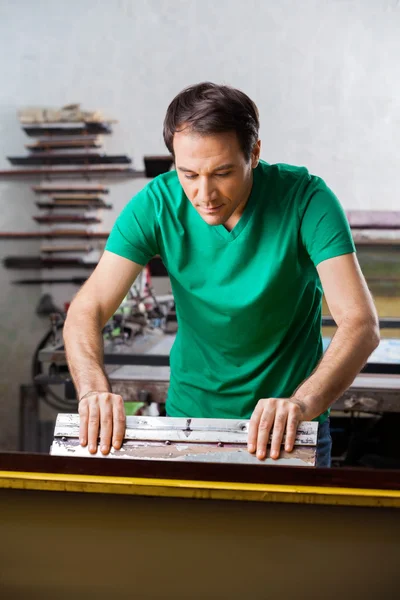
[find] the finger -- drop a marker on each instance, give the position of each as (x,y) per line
(278,432)
(83,422)
(106,423)
(94,422)
(119,422)
(253,428)
(264,430)
(291,430)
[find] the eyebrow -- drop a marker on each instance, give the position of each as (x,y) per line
(220,168)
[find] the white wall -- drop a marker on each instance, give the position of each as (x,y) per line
(324,73)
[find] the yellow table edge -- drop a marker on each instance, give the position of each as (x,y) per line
(215,490)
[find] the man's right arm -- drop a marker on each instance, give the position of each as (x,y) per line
(90,310)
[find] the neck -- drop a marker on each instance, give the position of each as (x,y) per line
(235,216)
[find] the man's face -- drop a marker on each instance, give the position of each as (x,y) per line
(214,175)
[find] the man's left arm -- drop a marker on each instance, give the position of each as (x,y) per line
(357,335)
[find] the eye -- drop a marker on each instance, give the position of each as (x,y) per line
(223,174)
(190,176)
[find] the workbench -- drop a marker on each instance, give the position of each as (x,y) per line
(376,389)
(139,371)
(91,528)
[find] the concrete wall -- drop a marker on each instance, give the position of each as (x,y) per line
(324,73)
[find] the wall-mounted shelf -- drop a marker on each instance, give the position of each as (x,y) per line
(373,219)
(82,188)
(157,268)
(66,142)
(70,197)
(81,205)
(67,147)
(68,129)
(87,172)
(51,281)
(376,237)
(63,158)
(56,219)
(85,248)
(68,233)
(38,262)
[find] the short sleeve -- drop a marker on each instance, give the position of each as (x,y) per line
(135,232)
(324,229)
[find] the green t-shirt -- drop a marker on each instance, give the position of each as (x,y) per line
(248,301)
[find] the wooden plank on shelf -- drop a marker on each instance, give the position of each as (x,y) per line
(64,158)
(76,205)
(67,147)
(373,219)
(51,249)
(50,152)
(50,219)
(57,233)
(376,237)
(51,281)
(74,196)
(45,140)
(66,128)
(73,143)
(38,262)
(69,113)
(89,188)
(84,171)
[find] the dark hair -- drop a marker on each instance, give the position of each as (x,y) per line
(208,108)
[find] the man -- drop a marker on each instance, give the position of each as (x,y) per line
(249,248)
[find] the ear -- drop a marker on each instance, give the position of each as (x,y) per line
(255,155)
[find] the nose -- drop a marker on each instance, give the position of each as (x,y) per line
(206,192)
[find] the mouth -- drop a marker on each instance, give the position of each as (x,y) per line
(212,210)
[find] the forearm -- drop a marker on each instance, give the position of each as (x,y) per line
(84,349)
(347,353)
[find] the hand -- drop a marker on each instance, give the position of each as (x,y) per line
(276,415)
(104,411)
